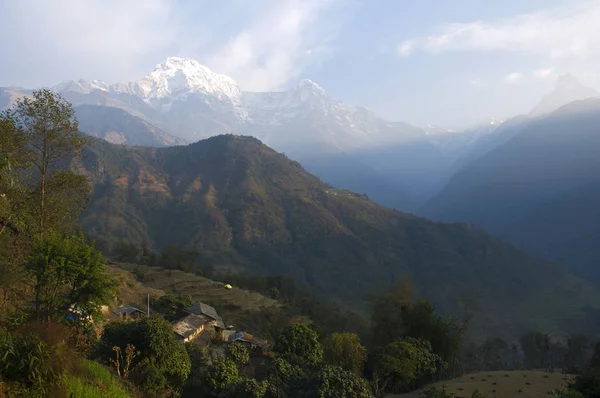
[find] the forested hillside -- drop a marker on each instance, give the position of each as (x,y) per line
(245,207)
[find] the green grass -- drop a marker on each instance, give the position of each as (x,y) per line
(96,382)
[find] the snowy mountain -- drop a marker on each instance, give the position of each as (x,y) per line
(567,89)
(187,99)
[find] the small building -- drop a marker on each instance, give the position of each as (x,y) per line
(188,328)
(128,312)
(199,308)
(255,345)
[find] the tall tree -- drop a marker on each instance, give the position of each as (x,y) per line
(346,351)
(12,145)
(69,274)
(299,343)
(48,125)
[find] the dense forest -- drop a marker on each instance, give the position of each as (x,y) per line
(55,340)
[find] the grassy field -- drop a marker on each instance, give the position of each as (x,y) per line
(96,381)
(503,384)
(249,311)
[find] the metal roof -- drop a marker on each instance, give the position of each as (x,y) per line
(189,325)
(126,309)
(199,308)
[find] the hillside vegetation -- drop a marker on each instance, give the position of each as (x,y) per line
(247,208)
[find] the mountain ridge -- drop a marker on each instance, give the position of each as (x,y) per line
(247,208)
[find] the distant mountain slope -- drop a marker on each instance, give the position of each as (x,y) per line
(247,207)
(568,89)
(117,126)
(538,189)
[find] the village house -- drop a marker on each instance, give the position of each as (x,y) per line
(255,345)
(199,308)
(128,312)
(190,327)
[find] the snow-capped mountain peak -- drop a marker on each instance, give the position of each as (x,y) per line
(178,76)
(81,86)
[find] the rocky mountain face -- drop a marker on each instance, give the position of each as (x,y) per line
(249,208)
(117,126)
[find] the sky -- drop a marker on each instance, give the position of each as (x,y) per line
(449,63)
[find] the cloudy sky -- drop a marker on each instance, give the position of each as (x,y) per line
(425,62)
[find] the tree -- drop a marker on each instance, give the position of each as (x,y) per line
(12,145)
(403,362)
(172,306)
(222,375)
(395,314)
(198,360)
(577,350)
(299,343)
(335,382)
(238,352)
(248,388)
(52,138)
(161,355)
(533,345)
(69,274)
(346,351)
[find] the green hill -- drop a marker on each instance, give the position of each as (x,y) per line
(248,208)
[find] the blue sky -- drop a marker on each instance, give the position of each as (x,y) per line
(443,62)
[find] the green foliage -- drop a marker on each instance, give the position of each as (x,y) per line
(346,351)
(161,355)
(96,382)
(335,382)
(34,358)
(477,394)
(436,392)
(220,376)
(67,271)
(299,343)
(404,362)
(172,306)
(556,393)
(395,315)
(247,388)
(238,352)
(52,139)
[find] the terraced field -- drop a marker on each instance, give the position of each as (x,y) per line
(246,310)
(503,384)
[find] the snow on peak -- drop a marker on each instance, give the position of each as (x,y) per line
(81,86)
(178,76)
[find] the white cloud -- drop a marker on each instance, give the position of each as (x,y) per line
(260,44)
(545,73)
(569,31)
(513,78)
(275,47)
(476,81)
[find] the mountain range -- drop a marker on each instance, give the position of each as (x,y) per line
(539,189)
(396,164)
(531,180)
(248,208)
